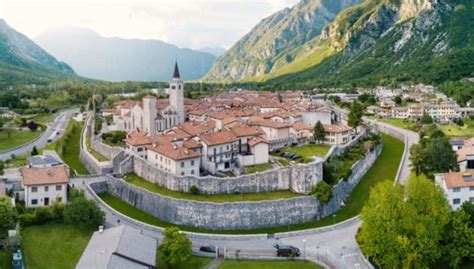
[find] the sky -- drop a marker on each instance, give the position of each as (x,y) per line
(186,23)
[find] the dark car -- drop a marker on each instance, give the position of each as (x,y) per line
(209,249)
(295,157)
(287,250)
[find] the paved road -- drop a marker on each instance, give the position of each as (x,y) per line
(59,124)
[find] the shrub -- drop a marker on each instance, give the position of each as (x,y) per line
(27,219)
(83,212)
(322,191)
(114,138)
(194,189)
(176,248)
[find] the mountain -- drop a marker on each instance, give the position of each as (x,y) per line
(22,61)
(118,59)
(216,51)
(389,42)
(277,40)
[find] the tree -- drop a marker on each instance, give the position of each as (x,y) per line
(33,126)
(2,122)
(417,158)
(402,227)
(9,127)
(468,207)
(82,108)
(426,119)
(34,151)
(280,98)
(439,156)
(319,134)
(7,215)
(458,238)
(83,212)
(2,167)
(322,191)
(398,100)
(355,115)
(176,248)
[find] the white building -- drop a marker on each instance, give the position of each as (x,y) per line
(45,185)
(337,134)
(458,187)
(219,150)
(175,159)
(465,158)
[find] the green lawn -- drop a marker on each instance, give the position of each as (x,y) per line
(54,246)
(69,147)
(17,138)
(385,167)
(258,168)
(402,123)
(43,118)
(5,259)
(454,130)
(306,151)
(194,263)
(256,264)
(216,198)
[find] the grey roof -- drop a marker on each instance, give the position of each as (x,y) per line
(49,158)
(456,142)
(176,70)
(119,247)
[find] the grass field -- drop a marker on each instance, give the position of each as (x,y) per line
(385,167)
(43,118)
(54,246)
(454,130)
(258,168)
(97,155)
(71,146)
(216,198)
(5,259)
(247,264)
(17,138)
(396,122)
(194,263)
(306,151)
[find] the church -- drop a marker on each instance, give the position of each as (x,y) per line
(152,116)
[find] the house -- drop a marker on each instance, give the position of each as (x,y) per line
(174,158)
(400,112)
(273,130)
(303,132)
(458,187)
(456,144)
(219,151)
(465,157)
(337,134)
(44,185)
(119,248)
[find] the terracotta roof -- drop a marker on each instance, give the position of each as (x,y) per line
(217,138)
(137,139)
(464,152)
(241,130)
(174,152)
(332,128)
(162,104)
(269,124)
(459,179)
(299,126)
(191,144)
(198,112)
(197,127)
(44,176)
(257,140)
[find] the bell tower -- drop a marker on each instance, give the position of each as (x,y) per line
(177,94)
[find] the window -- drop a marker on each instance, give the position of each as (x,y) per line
(182,164)
(173,87)
(46,188)
(182,173)
(34,189)
(457,189)
(471,199)
(456,201)
(192,162)
(140,149)
(471,188)
(59,187)
(192,172)
(34,201)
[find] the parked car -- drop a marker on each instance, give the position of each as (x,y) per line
(286,250)
(295,156)
(209,249)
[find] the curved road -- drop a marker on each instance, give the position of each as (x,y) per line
(335,245)
(59,124)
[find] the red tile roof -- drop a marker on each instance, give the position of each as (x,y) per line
(44,176)
(174,152)
(218,138)
(459,179)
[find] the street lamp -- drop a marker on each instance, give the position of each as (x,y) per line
(334,219)
(304,248)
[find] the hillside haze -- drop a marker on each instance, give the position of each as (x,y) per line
(118,59)
(23,61)
(277,40)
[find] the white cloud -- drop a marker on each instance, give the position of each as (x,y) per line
(186,23)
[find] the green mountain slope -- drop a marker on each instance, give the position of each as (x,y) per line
(277,40)
(22,61)
(389,42)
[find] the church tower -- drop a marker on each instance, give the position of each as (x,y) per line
(177,94)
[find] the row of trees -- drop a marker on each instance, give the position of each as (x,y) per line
(412,226)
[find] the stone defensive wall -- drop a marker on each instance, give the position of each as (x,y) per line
(237,215)
(299,178)
(215,216)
